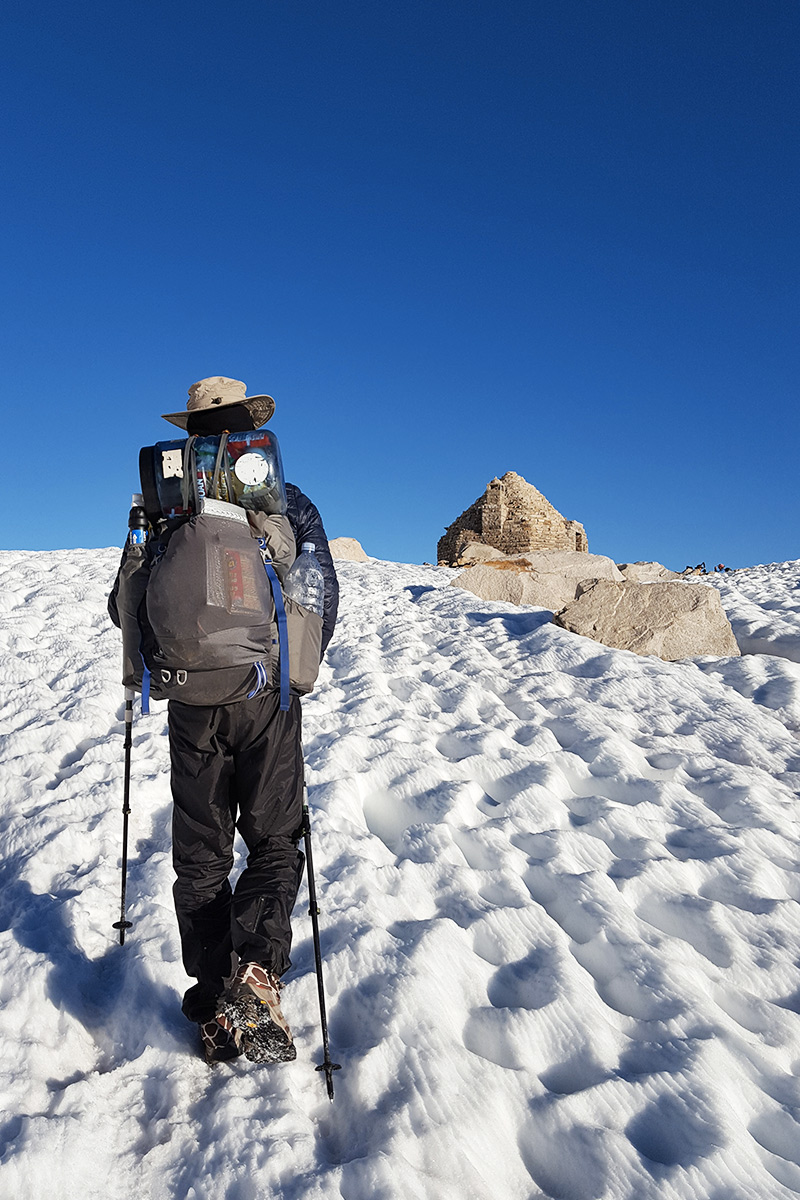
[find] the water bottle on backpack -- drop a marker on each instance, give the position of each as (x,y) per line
(130,589)
(137,521)
(304,592)
(305,583)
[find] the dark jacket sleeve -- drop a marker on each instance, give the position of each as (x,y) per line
(307,526)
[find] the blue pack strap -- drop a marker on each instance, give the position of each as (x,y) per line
(283,633)
(145,689)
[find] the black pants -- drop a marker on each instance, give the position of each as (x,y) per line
(234,766)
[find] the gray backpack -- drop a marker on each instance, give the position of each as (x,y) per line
(202,611)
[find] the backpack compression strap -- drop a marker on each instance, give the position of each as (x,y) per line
(221,462)
(189,477)
(283,634)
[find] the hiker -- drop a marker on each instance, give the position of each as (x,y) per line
(236,762)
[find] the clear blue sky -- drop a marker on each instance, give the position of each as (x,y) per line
(452,238)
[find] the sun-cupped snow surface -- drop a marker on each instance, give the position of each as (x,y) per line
(763,607)
(559,888)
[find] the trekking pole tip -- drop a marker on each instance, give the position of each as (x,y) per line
(329,1067)
(122,926)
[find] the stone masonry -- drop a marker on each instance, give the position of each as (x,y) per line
(513,517)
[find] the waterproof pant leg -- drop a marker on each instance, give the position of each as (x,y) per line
(268,774)
(245,760)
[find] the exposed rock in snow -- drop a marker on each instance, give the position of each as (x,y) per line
(478,552)
(646,572)
(571,564)
(347,548)
(672,620)
(545,578)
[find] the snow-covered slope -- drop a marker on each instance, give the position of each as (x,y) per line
(763,606)
(560,921)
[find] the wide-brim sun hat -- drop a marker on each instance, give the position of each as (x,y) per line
(217,392)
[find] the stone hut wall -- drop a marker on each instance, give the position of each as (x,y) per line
(513,517)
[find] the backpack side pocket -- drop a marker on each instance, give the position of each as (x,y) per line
(305,645)
(134,574)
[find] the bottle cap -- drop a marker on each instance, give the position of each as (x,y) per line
(308,546)
(137,500)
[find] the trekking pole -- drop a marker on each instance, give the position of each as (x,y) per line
(326,1065)
(122,924)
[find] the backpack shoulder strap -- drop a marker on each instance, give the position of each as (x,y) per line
(278,537)
(280,617)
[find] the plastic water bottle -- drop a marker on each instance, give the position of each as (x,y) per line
(305,583)
(137,521)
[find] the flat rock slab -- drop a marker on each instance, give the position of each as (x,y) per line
(545,578)
(479,552)
(647,572)
(573,564)
(671,620)
(511,586)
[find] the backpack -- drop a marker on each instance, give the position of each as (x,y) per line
(202,611)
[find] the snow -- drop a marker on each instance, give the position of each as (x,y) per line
(559,890)
(763,607)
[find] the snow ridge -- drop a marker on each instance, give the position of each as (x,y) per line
(559,887)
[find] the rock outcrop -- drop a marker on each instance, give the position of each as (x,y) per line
(671,620)
(546,578)
(477,552)
(512,516)
(348,549)
(646,572)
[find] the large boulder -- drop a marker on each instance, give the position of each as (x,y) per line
(671,620)
(573,564)
(478,552)
(646,572)
(545,578)
(512,584)
(348,549)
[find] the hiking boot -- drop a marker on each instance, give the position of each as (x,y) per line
(251,1007)
(219,1043)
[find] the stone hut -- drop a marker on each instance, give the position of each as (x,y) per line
(513,517)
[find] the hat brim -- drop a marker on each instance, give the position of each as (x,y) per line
(260,408)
